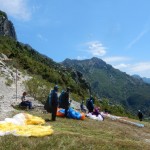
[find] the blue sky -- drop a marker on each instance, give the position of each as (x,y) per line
(117,31)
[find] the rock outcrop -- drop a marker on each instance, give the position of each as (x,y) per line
(6,26)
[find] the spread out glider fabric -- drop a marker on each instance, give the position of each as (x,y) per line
(125,120)
(71,114)
(24,125)
(99,117)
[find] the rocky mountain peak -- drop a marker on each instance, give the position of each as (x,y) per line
(6,26)
(97,62)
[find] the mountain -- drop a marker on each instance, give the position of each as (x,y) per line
(144,79)
(24,57)
(6,26)
(84,77)
(111,83)
(137,76)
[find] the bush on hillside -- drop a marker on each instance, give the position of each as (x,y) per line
(38,88)
(116,109)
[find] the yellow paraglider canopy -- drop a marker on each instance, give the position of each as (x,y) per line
(25,125)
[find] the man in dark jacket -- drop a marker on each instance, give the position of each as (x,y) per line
(140,115)
(82,107)
(90,105)
(66,101)
(54,102)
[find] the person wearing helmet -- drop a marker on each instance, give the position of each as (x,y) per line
(54,102)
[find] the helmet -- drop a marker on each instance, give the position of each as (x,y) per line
(56,87)
(68,89)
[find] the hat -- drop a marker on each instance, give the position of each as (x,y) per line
(56,87)
(68,89)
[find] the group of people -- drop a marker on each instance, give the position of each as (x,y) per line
(89,105)
(55,101)
(63,101)
(96,110)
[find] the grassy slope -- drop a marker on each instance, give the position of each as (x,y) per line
(27,59)
(89,134)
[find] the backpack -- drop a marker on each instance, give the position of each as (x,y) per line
(61,98)
(88,103)
(47,105)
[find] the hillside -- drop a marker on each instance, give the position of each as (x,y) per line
(111,83)
(146,80)
(29,60)
(70,134)
(11,90)
(22,68)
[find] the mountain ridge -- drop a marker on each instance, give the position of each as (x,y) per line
(144,79)
(26,58)
(85,77)
(6,26)
(111,83)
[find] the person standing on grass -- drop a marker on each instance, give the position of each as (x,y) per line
(54,102)
(82,107)
(140,115)
(90,104)
(66,101)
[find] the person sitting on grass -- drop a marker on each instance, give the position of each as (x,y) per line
(25,102)
(96,111)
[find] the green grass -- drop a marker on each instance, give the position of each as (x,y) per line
(70,134)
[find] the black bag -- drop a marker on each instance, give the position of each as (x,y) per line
(88,103)
(47,105)
(61,99)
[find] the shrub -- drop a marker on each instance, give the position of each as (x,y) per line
(38,88)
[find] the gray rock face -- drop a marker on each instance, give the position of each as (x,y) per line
(10,94)
(6,26)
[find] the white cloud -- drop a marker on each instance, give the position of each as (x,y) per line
(141,68)
(96,48)
(115,59)
(16,8)
(81,57)
(134,41)
(121,66)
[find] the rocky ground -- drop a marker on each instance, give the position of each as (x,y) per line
(11,89)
